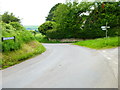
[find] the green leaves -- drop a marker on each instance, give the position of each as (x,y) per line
(17,25)
(99,16)
(9,17)
(51,14)
(69,19)
(21,36)
(48,25)
(83,20)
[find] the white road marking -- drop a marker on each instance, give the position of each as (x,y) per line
(105,55)
(112,60)
(115,63)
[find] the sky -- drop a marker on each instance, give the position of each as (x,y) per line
(31,12)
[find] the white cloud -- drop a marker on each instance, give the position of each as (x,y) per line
(32,12)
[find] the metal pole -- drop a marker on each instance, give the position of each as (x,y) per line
(106,29)
(14,38)
(2,39)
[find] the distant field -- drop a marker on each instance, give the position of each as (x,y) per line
(31,27)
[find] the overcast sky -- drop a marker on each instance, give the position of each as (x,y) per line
(32,12)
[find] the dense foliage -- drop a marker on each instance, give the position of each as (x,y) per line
(22,47)
(17,25)
(84,20)
(21,36)
(9,17)
(108,14)
(69,20)
(51,14)
(46,26)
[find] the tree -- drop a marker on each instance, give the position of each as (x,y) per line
(69,19)
(9,17)
(109,13)
(50,15)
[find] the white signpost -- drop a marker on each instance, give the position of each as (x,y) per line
(105,28)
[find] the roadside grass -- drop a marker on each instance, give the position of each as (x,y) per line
(0,60)
(28,50)
(100,43)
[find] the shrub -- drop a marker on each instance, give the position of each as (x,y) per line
(17,26)
(33,32)
(41,38)
(48,25)
(21,36)
(55,34)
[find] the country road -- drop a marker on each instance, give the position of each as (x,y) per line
(63,66)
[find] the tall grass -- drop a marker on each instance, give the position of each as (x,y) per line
(21,36)
(100,43)
(24,46)
(28,50)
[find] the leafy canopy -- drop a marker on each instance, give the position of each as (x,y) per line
(51,14)
(9,17)
(48,25)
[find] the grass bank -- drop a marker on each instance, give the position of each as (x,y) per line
(28,50)
(100,43)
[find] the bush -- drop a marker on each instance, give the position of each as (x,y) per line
(48,25)
(21,36)
(33,32)
(55,34)
(17,26)
(41,38)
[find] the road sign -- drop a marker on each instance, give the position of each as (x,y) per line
(108,26)
(103,27)
(7,38)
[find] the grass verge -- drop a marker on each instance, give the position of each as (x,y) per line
(100,43)
(28,50)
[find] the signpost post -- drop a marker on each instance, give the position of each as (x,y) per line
(105,28)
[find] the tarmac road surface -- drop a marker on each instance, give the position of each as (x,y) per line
(62,66)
